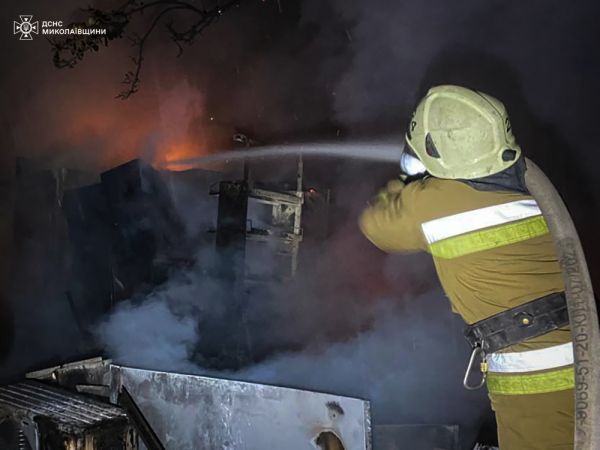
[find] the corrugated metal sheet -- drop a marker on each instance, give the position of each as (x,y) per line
(31,399)
(43,416)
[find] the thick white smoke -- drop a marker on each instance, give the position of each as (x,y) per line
(403,364)
(408,361)
(149,335)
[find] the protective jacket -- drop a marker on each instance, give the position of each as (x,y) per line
(492,251)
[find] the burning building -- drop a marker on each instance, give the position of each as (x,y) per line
(123,234)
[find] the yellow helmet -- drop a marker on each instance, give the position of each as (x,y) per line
(461,133)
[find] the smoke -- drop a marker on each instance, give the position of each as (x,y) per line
(149,335)
(403,363)
(86,133)
(397,364)
(178,109)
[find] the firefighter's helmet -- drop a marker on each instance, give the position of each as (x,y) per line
(460,133)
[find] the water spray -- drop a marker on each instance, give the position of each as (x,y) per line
(371,151)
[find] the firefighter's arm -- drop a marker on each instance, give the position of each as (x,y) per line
(390,222)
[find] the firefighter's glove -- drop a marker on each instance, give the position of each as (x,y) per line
(391,190)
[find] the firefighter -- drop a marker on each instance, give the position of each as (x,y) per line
(463,199)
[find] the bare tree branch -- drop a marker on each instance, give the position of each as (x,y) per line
(69,51)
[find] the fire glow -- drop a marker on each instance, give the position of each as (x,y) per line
(93,131)
(168,156)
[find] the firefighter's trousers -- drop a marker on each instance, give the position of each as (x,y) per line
(535,421)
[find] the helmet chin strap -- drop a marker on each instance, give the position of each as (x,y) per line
(411,165)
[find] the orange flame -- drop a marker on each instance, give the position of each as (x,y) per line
(170,153)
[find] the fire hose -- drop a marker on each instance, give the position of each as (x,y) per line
(581,304)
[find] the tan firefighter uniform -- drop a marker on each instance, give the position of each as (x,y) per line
(492,251)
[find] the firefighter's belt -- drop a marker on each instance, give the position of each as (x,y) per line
(518,324)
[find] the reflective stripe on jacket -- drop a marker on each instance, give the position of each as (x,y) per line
(484,228)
